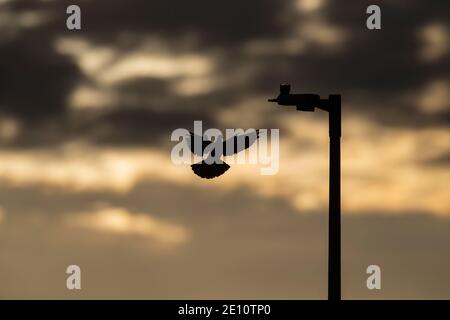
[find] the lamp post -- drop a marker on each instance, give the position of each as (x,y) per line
(307,102)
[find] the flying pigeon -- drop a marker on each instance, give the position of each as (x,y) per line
(213,170)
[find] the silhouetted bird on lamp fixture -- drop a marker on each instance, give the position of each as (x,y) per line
(230,146)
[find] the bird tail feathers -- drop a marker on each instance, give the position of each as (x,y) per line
(209,171)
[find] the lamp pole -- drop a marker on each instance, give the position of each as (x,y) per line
(307,102)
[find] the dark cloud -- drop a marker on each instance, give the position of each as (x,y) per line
(34,82)
(438,161)
(374,70)
(380,67)
(139,126)
(221,22)
(212,23)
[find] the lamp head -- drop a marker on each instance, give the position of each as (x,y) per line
(303,102)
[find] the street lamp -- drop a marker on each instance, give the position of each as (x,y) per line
(307,102)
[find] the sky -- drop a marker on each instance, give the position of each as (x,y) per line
(86,176)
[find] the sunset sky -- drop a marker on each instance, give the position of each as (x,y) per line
(86,176)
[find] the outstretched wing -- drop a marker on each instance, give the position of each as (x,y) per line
(191,142)
(241,142)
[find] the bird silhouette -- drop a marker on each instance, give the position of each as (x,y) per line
(230,146)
